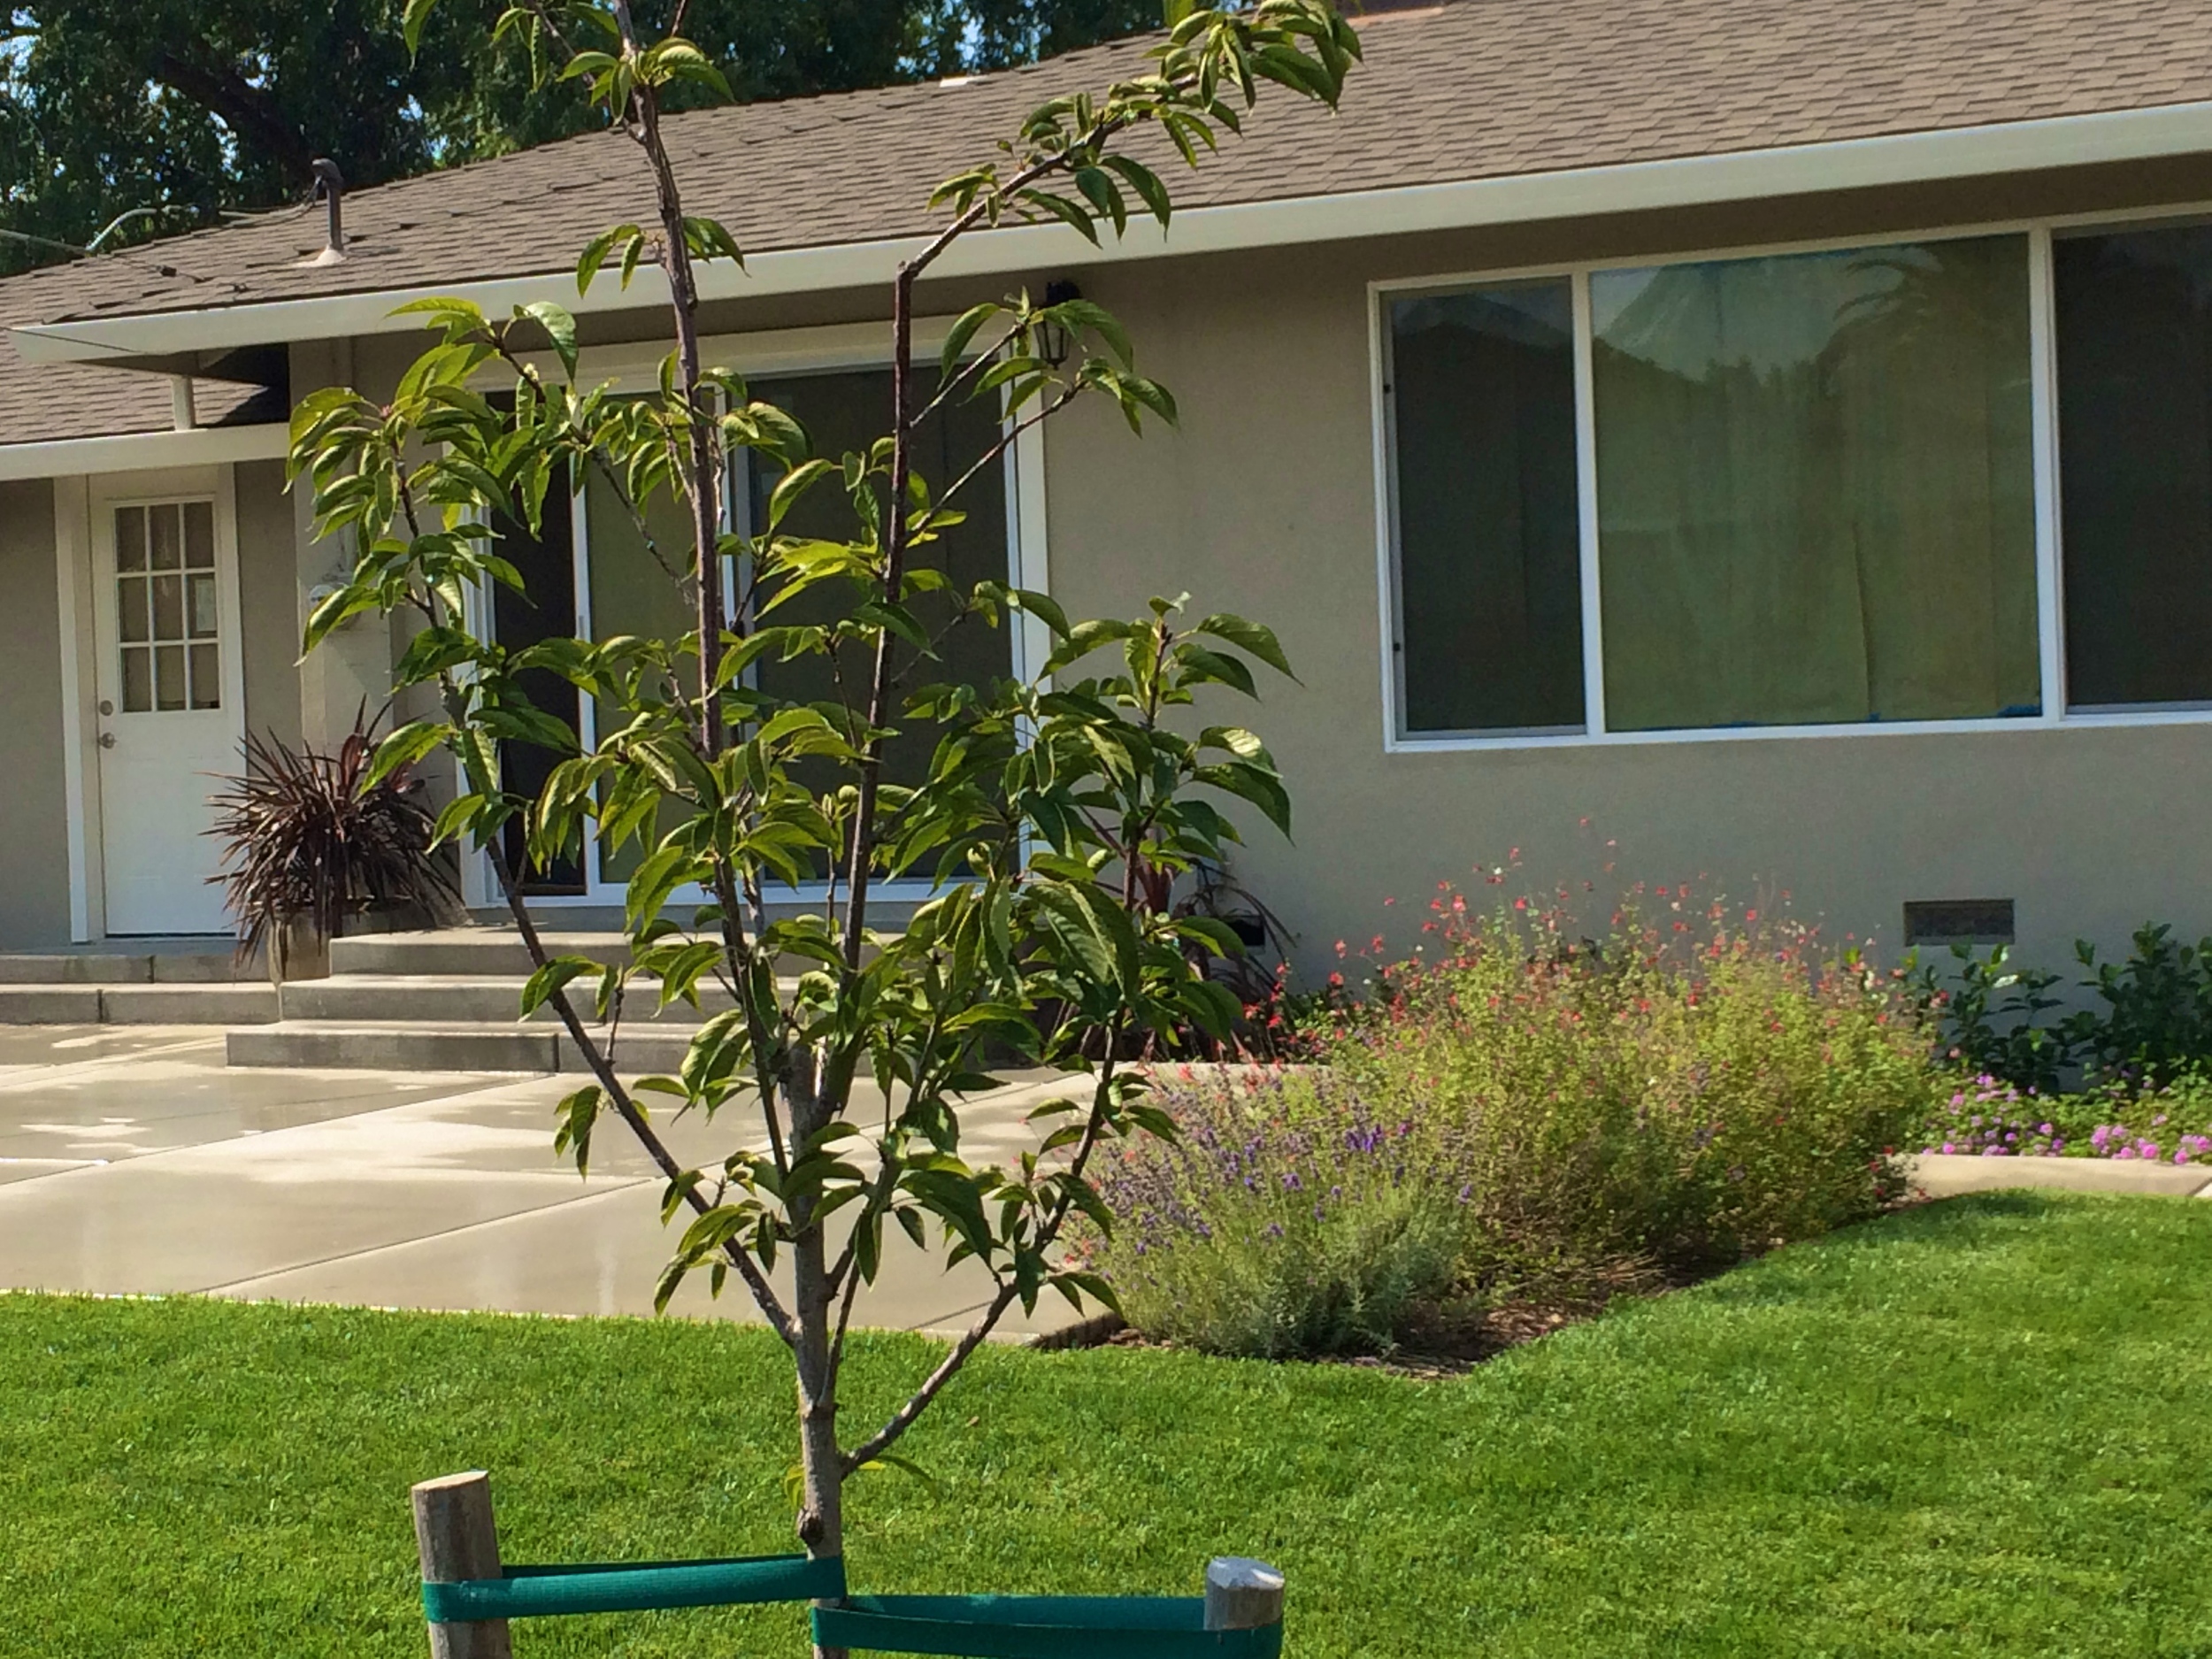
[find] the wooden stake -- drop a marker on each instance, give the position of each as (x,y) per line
(457,1540)
(1242,1593)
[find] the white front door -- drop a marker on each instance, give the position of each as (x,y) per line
(168,686)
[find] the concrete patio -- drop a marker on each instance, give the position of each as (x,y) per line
(132,1160)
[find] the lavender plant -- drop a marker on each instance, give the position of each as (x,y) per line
(1288,1217)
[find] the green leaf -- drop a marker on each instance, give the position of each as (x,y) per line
(1043,607)
(578,1113)
(1045,204)
(1145,182)
(1262,788)
(964,330)
(1201,666)
(709,239)
(551,978)
(1217,935)
(1072,1282)
(560,329)
(405,748)
(1079,315)
(1100,191)
(1248,636)
(793,485)
(412,21)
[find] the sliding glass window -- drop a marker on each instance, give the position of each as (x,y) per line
(1814,500)
(1489,627)
(2134,324)
(1815,489)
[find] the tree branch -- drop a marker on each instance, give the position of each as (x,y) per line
(977,1334)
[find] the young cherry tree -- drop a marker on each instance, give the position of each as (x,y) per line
(1049,817)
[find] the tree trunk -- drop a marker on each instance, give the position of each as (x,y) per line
(822,1502)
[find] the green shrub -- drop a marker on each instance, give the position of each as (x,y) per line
(2150,1024)
(1515,1106)
(1682,1090)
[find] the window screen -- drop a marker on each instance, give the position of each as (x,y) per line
(1489,590)
(2134,314)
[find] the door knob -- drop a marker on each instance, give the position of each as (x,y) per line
(107,740)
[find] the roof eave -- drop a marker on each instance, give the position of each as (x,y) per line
(2099,137)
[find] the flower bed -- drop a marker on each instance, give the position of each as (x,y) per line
(1519,1106)
(1993,1119)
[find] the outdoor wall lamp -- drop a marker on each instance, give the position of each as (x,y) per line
(1055,341)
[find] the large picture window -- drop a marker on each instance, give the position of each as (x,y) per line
(2134,326)
(1789,491)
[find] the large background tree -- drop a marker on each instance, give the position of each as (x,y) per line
(196,108)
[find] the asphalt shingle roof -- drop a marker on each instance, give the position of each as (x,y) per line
(1473,88)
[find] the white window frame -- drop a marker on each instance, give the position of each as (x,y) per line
(2049,554)
(784,354)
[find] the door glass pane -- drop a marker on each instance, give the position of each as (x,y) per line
(2134,313)
(199,535)
(168,676)
(207,676)
(1489,548)
(168,607)
(1815,496)
(138,680)
(200,594)
(130,607)
(168,540)
(130,538)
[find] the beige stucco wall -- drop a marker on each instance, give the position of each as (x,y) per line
(33,820)
(268,600)
(1264,504)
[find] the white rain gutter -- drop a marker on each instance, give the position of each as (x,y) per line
(1745,175)
(131,451)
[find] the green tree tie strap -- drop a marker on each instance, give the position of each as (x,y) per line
(633,1588)
(1038,1627)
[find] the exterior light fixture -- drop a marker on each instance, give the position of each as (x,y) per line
(1055,342)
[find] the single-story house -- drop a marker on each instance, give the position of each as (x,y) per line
(1765,442)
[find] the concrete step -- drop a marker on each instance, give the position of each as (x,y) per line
(415,1045)
(241,1003)
(472,952)
(489,999)
(102,966)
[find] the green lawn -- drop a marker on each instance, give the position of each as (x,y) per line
(1980,1427)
